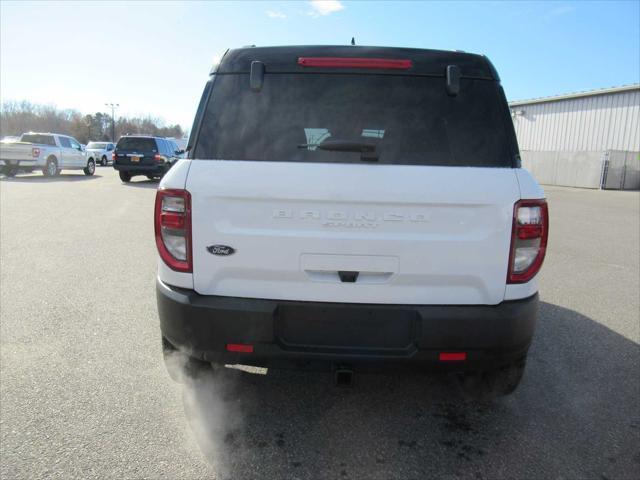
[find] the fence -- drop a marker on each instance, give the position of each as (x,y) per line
(621,170)
(609,169)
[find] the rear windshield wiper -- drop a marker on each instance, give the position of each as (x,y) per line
(367,150)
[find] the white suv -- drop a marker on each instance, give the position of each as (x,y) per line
(101,152)
(352,207)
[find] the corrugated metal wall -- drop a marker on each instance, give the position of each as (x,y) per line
(607,121)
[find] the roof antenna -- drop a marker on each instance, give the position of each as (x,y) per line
(353,40)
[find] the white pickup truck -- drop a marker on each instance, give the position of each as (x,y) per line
(49,152)
(352,207)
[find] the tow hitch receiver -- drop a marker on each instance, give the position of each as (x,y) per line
(343,377)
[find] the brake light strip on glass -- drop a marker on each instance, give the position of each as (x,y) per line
(355,62)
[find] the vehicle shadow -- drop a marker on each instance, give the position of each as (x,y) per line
(39,178)
(146,183)
(575,415)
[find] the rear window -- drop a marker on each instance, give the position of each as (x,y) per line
(37,138)
(409,120)
(97,146)
(137,143)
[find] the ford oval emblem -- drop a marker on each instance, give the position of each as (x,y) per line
(222,250)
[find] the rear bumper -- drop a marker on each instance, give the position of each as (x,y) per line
(156,169)
(312,334)
(22,163)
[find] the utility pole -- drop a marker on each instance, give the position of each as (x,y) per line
(113,119)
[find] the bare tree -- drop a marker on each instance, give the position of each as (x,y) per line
(19,117)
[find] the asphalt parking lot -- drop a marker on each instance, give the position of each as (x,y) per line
(84,393)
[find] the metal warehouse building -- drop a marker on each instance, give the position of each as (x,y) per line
(587,139)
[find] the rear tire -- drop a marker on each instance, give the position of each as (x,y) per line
(103,161)
(51,168)
(9,171)
(125,176)
(489,384)
(90,169)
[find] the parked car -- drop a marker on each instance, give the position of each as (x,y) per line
(352,207)
(101,151)
(49,152)
(181,145)
(143,155)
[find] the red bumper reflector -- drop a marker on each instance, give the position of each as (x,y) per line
(453,356)
(239,347)
(354,62)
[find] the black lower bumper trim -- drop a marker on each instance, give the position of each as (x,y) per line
(285,332)
(159,169)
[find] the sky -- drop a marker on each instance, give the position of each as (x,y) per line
(154,57)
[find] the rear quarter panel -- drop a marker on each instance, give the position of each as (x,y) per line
(529,187)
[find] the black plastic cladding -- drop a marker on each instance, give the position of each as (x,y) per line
(425,62)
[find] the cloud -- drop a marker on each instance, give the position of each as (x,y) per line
(325,7)
(274,14)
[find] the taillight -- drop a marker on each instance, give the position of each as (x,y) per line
(113,157)
(355,62)
(35,152)
(157,157)
(528,240)
(173,228)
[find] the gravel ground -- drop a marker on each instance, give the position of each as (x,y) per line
(84,393)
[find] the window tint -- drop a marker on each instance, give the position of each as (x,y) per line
(409,119)
(74,143)
(38,138)
(65,142)
(139,144)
